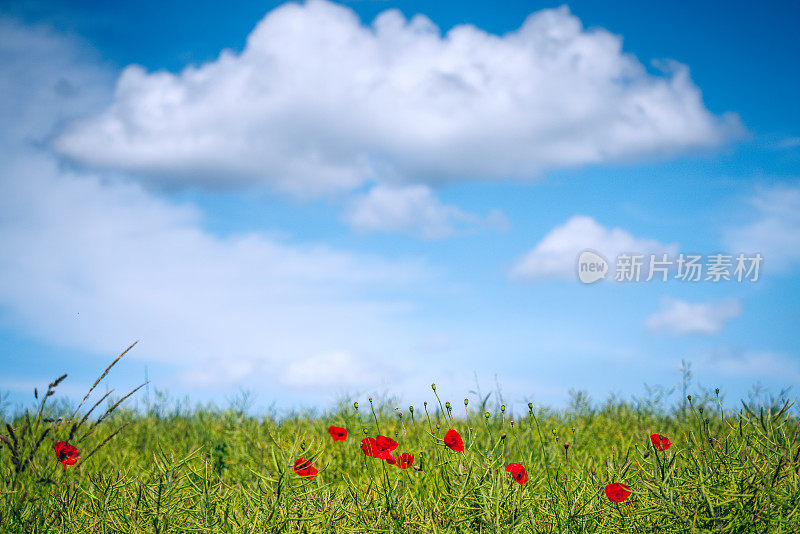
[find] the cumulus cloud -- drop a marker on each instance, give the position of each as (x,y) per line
(416,210)
(680,318)
(556,255)
(90,262)
(317,102)
(773,228)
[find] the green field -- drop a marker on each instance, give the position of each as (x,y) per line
(174,469)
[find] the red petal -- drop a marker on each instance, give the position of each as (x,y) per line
(617,492)
(386,444)
(453,440)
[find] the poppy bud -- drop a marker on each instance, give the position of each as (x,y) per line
(512,423)
(503,408)
(447,405)
(503,435)
(717,391)
(486,415)
(566,446)
(355,405)
(466,401)
(303,445)
(700,409)
(370,400)
(425,404)
(433,387)
(530,406)
(689,397)
(411,409)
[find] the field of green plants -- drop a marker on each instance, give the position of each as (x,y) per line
(177,469)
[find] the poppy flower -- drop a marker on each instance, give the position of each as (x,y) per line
(304,468)
(453,440)
(518,472)
(386,444)
(405,460)
(617,492)
(661,443)
(379,447)
(390,458)
(66,453)
(338,433)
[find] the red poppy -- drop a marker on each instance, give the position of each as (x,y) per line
(518,472)
(66,453)
(453,440)
(338,433)
(304,468)
(617,492)
(405,460)
(390,458)
(379,447)
(386,444)
(660,442)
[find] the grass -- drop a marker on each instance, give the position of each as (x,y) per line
(213,470)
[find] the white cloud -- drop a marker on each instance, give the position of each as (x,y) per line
(414,209)
(556,255)
(91,263)
(317,102)
(773,230)
(679,318)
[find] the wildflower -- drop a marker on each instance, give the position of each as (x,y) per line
(405,460)
(304,468)
(453,440)
(617,492)
(338,433)
(66,453)
(518,472)
(379,447)
(661,443)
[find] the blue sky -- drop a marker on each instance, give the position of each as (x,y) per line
(310,199)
